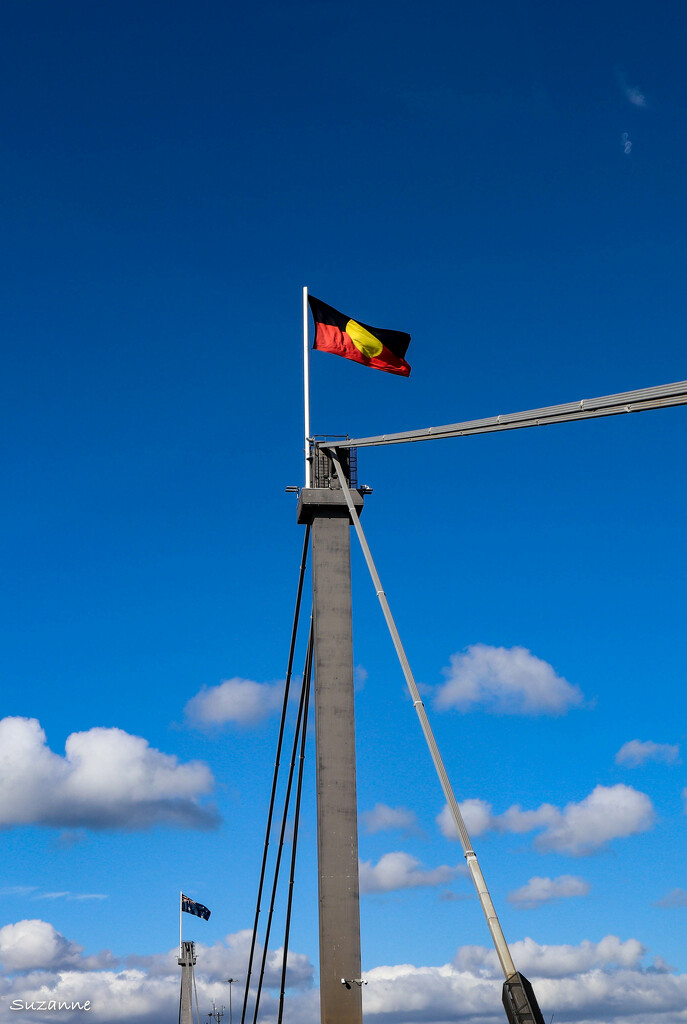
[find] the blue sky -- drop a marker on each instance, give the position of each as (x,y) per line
(506,183)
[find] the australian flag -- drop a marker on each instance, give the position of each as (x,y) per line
(191,907)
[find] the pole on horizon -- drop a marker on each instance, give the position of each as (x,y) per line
(230,982)
(180,942)
(306,389)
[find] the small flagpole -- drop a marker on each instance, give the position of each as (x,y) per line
(180,942)
(306,389)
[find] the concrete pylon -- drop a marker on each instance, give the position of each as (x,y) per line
(337,818)
(187,962)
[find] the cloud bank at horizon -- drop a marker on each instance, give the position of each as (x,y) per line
(594,981)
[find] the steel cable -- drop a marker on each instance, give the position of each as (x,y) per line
(307,675)
(275,777)
(300,725)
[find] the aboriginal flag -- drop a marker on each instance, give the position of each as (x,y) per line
(372,346)
(191,907)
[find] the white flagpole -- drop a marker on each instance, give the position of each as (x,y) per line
(180,942)
(306,389)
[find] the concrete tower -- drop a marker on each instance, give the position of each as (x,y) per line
(325,507)
(187,962)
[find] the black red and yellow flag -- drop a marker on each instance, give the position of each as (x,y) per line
(372,346)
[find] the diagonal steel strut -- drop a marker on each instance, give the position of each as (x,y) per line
(497,935)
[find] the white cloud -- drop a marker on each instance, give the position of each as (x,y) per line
(476,815)
(636,752)
(609,812)
(675,898)
(635,96)
(402,871)
(518,821)
(240,701)
(548,890)
(107,779)
(66,895)
(146,989)
(541,961)
(383,818)
(505,681)
(632,93)
(134,996)
(28,945)
(404,994)
(360,675)
(595,982)
(230,956)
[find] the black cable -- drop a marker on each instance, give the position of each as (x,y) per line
(292,648)
(287,799)
(296,819)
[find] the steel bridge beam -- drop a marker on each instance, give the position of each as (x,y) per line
(662,397)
